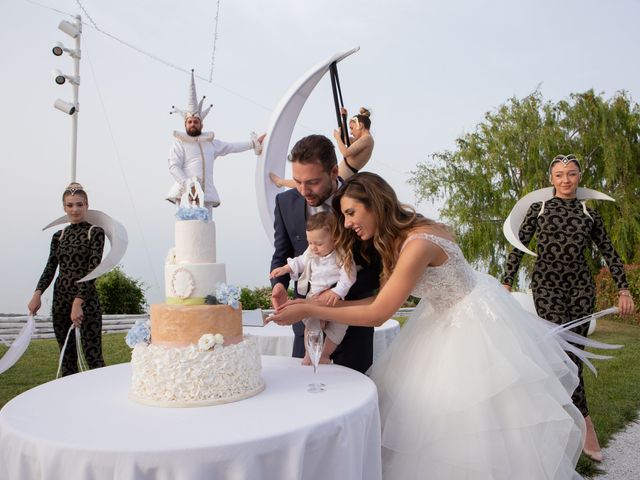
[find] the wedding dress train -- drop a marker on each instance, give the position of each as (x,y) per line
(474,387)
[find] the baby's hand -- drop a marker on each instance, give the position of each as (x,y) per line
(278,272)
(330,298)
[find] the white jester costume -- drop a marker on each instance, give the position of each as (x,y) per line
(194,156)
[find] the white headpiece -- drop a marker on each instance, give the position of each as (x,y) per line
(194,108)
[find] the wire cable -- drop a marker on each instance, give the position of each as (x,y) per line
(122,173)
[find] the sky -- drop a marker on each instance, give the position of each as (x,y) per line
(428,70)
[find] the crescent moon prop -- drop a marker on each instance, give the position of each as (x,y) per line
(115,232)
(511,225)
(18,346)
(276,143)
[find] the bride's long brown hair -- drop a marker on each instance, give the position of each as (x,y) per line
(394,220)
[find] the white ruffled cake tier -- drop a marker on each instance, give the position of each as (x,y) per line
(189,377)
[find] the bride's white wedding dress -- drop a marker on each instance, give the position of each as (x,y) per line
(474,387)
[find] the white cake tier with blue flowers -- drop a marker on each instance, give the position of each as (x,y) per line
(207,373)
(189,284)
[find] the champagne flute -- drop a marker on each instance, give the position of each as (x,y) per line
(315,343)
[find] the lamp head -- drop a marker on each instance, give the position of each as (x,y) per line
(59,77)
(66,107)
(73,30)
(58,49)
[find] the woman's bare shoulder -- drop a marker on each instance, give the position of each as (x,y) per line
(431,250)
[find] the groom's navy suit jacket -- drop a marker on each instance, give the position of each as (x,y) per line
(290,240)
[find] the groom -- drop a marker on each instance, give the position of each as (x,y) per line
(315,172)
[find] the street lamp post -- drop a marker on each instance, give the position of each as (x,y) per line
(74,30)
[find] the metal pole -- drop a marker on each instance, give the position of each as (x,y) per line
(76,88)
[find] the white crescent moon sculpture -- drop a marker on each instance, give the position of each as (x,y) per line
(115,232)
(18,346)
(511,225)
(276,143)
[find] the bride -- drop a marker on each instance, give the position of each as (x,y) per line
(473,386)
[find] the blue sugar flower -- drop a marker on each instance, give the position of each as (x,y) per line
(192,213)
(139,333)
(228,294)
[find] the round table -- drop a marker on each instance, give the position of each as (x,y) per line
(274,339)
(84,426)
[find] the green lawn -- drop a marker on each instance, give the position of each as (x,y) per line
(614,396)
(39,364)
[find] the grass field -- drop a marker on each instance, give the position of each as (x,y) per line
(614,396)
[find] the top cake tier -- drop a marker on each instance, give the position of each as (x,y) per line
(195,242)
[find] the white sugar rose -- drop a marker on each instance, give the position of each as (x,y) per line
(206,342)
(219,339)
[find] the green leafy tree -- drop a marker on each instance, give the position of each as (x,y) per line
(121,294)
(508,155)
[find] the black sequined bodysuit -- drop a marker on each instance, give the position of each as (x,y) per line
(76,250)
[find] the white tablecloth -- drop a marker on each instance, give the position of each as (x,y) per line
(274,339)
(85,427)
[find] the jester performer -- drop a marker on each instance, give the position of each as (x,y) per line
(562,284)
(193,152)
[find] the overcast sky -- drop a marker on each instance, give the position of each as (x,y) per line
(428,70)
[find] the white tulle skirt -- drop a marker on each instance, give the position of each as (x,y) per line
(478,391)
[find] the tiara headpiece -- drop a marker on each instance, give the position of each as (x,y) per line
(73,188)
(565,160)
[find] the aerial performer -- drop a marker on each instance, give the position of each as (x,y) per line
(193,152)
(355,156)
(356,151)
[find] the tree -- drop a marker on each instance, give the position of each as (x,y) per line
(508,155)
(120,294)
(252,299)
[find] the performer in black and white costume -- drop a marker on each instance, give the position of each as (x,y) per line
(75,251)
(562,284)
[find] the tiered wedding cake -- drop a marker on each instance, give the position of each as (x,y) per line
(197,355)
